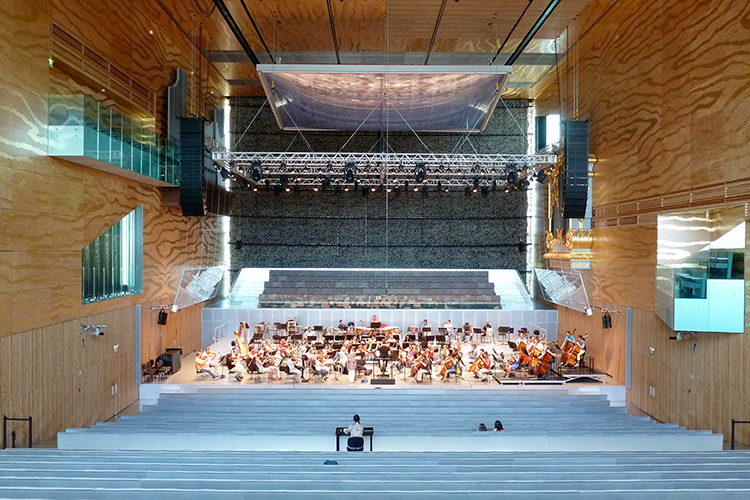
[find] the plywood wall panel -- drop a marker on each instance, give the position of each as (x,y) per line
(24,37)
(664,87)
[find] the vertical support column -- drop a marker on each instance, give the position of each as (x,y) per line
(628,345)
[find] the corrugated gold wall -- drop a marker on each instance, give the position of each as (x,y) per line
(664,86)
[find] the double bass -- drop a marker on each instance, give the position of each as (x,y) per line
(543,364)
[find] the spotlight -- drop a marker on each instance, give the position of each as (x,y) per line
(351,172)
(541,176)
(467,191)
(406,185)
(257,172)
(522,184)
(365,192)
(485,190)
(420,172)
(224,174)
(424,190)
(494,185)
(284,180)
(512,175)
(439,186)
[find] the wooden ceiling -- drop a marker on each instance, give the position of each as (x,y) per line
(377,26)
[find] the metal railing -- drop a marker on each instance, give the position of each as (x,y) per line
(734,424)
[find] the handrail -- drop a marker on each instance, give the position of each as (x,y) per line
(5,430)
(734,423)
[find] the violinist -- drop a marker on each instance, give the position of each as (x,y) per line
(473,354)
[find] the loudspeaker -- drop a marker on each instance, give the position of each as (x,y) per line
(191,166)
(162,319)
(574,188)
(606,321)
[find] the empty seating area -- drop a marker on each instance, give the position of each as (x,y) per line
(405,419)
(147,475)
(379,289)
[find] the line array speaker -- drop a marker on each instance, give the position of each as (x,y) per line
(191,166)
(575,187)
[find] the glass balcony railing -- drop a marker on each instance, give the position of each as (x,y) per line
(82,126)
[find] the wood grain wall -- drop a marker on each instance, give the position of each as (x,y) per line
(664,86)
(51,209)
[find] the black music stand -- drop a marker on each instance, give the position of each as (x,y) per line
(375,325)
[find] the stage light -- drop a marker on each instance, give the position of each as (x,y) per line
(485,190)
(224,174)
(420,172)
(350,172)
(257,173)
(541,176)
(406,185)
(439,186)
(512,175)
(467,191)
(424,190)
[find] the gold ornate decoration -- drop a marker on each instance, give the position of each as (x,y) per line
(579,238)
(555,238)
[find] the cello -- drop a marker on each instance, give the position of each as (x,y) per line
(476,366)
(418,365)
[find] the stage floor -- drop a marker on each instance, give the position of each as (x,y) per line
(187,375)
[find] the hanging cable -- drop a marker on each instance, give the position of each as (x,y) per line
(407,124)
(251,123)
(502,45)
(360,125)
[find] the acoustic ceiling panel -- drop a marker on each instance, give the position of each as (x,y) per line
(383,98)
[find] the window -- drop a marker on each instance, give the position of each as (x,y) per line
(112,264)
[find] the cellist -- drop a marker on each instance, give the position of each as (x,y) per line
(486,369)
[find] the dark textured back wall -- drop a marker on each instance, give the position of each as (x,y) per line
(325,229)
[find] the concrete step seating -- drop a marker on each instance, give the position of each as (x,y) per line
(304,418)
(315,288)
(64,474)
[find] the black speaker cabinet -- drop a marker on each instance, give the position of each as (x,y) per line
(575,186)
(162,319)
(191,166)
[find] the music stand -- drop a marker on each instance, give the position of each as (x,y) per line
(375,325)
(512,345)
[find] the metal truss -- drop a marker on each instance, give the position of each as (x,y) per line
(382,170)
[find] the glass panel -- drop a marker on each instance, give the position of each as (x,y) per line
(112,264)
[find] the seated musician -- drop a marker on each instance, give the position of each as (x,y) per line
(582,344)
(295,373)
(513,363)
(473,354)
(468,330)
(450,366)
(425,368)
(391,340)
(201,365)
(342,325)
(486,371)
(426,324)
(487,328)
(319,368)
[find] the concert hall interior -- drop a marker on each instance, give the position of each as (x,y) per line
(227,226)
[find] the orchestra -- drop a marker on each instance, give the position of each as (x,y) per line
(356,351)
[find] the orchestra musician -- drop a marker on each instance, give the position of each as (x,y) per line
(486,370)
(468,330)
(582,345)
(425,368)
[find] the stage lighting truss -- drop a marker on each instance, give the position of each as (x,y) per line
(452,172)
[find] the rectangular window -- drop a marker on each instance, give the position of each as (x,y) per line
(112,264)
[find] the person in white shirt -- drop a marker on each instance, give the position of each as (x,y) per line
(355,429)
